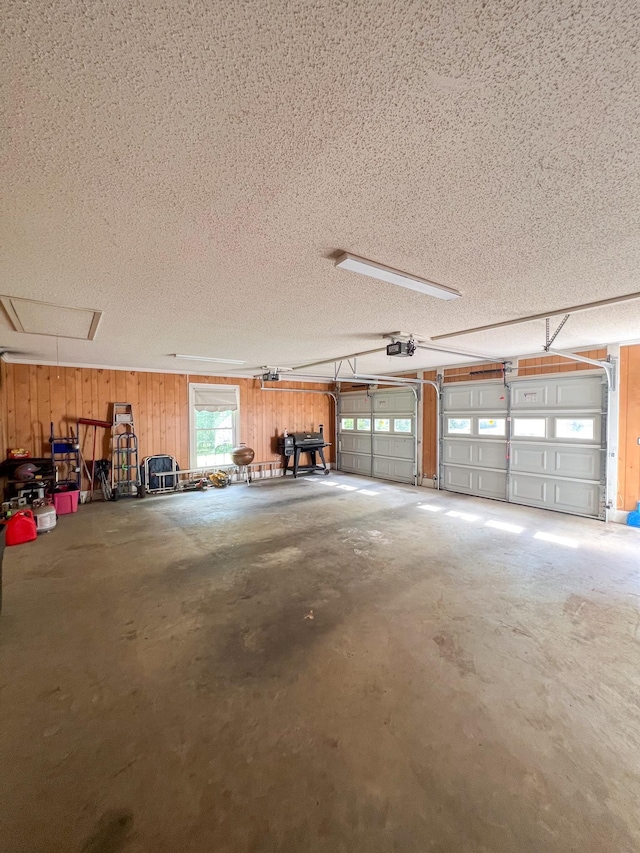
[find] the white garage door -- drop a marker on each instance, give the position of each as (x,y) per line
(474,433)
(538,442)
(558,443)
(377,434)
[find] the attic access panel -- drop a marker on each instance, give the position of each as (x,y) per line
(44,318)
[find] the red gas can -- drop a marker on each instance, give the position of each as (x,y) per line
(21,527)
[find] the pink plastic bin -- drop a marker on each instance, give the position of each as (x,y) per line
(66,502)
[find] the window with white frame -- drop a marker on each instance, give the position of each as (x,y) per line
(581,428)
(214,421)
(382,425)
(492,426)
(529,427)
(459,426)
(402,424)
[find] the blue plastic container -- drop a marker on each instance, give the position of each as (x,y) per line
(633,519)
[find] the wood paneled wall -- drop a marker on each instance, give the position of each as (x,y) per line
(628,447)
(556,363)
(33,396)
(429,428)
(476,372)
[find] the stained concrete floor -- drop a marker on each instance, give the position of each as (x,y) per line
(321,665)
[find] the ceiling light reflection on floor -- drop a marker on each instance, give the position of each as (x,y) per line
(502,525)
(463,516)
(347,488)
(556,540)
(430,507)
(367,492)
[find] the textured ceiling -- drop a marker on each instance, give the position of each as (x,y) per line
(190,168)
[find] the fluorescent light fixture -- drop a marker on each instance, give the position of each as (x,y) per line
(207,358)
(403,279)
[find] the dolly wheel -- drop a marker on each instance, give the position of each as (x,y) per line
(142,492)
(326,472)
(116,494)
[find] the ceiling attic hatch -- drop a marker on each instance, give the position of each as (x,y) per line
(45,318)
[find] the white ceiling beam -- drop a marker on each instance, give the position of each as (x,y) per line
(587,306)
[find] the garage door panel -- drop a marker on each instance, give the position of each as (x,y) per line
(393,469)
(389,445)
(582,463)
(549,428)
(490,398)
(562,496)
(355,464)
(529,395)
(458,399)
(555,442)
(492,484)
(354,404)
(577,393)
(458,453)
(355,443)
(491,455)
(458,479)
(528,490)
(532,460)
(578,498)
(483,454)
(401,402)
(473,481)
(474,446)
(389,451)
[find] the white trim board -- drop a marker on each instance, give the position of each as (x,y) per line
(285,377)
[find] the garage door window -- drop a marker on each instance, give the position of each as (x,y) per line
(402,424)
(347,423)
(214,424)
(459,426)
(382,425)
(529,427)
(491,426)
(364,424)
(580,428)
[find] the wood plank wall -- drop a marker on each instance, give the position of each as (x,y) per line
(628,447)
(556,363)
(429,428)
(32,396)
(476,372)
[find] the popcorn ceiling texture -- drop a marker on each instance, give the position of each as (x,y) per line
(190,168)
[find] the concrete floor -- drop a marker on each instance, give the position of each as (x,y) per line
(321,665)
